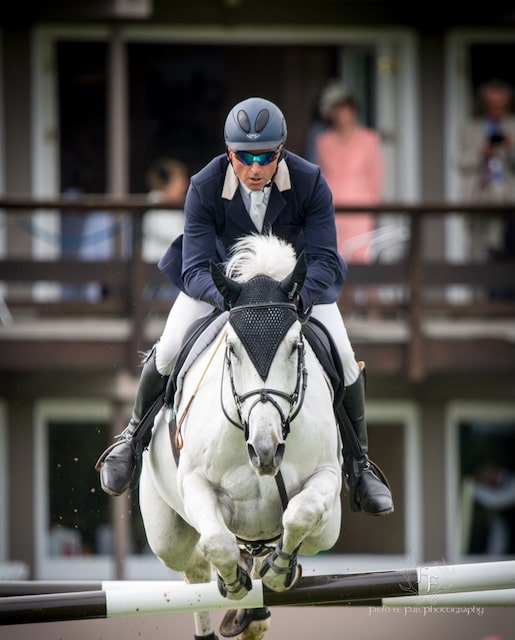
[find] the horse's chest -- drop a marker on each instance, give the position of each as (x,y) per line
(252,509)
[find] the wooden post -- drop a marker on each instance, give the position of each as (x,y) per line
(415,347)
(119,505)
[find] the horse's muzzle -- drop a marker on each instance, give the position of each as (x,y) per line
(266,460)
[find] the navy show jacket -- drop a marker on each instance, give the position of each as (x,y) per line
(300,210)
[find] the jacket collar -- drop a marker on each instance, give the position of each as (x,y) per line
(231,183)
(233,203)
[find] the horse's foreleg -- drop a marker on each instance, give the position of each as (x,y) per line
(247,624)
(200,572)
(174,542)
(311,523)
(312,520)
(217,543)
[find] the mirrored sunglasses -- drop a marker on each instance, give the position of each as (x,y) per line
(247,158)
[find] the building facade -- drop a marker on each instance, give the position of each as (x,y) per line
(90,94)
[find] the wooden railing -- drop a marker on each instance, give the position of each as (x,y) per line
(420,286)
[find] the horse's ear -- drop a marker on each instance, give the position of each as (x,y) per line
(230,289)
(292,284)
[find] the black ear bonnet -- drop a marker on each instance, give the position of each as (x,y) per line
(261,327)
(262,311)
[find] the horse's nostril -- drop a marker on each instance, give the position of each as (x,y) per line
(279,453)
(253,456)
(266,461)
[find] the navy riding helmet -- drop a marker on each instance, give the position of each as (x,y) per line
(255,124)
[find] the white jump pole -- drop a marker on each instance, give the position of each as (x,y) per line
(491,583)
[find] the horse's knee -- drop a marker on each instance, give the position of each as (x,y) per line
(307,520)
(319,531)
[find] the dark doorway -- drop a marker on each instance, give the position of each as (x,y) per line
(179,96)
(82,116)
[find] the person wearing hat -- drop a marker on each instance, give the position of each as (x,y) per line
(350,157)
(295,204)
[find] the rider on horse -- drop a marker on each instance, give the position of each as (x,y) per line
(295,205)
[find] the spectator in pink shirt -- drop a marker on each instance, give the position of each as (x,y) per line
(350,157)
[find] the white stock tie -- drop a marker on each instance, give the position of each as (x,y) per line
(257,208)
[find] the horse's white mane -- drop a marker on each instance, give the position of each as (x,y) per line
(260,254)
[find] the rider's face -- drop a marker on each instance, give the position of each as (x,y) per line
(254,176)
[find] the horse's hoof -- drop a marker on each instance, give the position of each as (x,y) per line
(294,575)
(239,588)
(279,578)
(236,621)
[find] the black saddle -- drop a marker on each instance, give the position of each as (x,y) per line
(194,332)
(325,350)
(314,331)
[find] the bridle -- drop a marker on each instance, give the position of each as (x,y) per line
(295,400)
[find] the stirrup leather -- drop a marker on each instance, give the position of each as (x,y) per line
(121,438)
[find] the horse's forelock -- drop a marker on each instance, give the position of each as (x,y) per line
(260,255)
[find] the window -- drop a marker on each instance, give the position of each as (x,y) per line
(4,471)
(82,68)
(394,540)
(78,509)
(79,513)
(360,533)
(74,535)
(9,569)
(482,477)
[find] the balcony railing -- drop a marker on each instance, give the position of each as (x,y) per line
(402,280)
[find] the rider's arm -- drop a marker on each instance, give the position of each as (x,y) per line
(199,248)
(325,266)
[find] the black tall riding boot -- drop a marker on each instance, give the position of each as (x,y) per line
(120,464)
(368,487)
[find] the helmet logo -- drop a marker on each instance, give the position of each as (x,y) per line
(253,136)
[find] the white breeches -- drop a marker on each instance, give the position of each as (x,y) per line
(186,310)
(329,315)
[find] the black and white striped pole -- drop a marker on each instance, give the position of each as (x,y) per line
(466,585)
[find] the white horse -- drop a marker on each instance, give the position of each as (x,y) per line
(254,414)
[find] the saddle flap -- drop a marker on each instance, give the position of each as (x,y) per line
(199,337)
(325,350)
